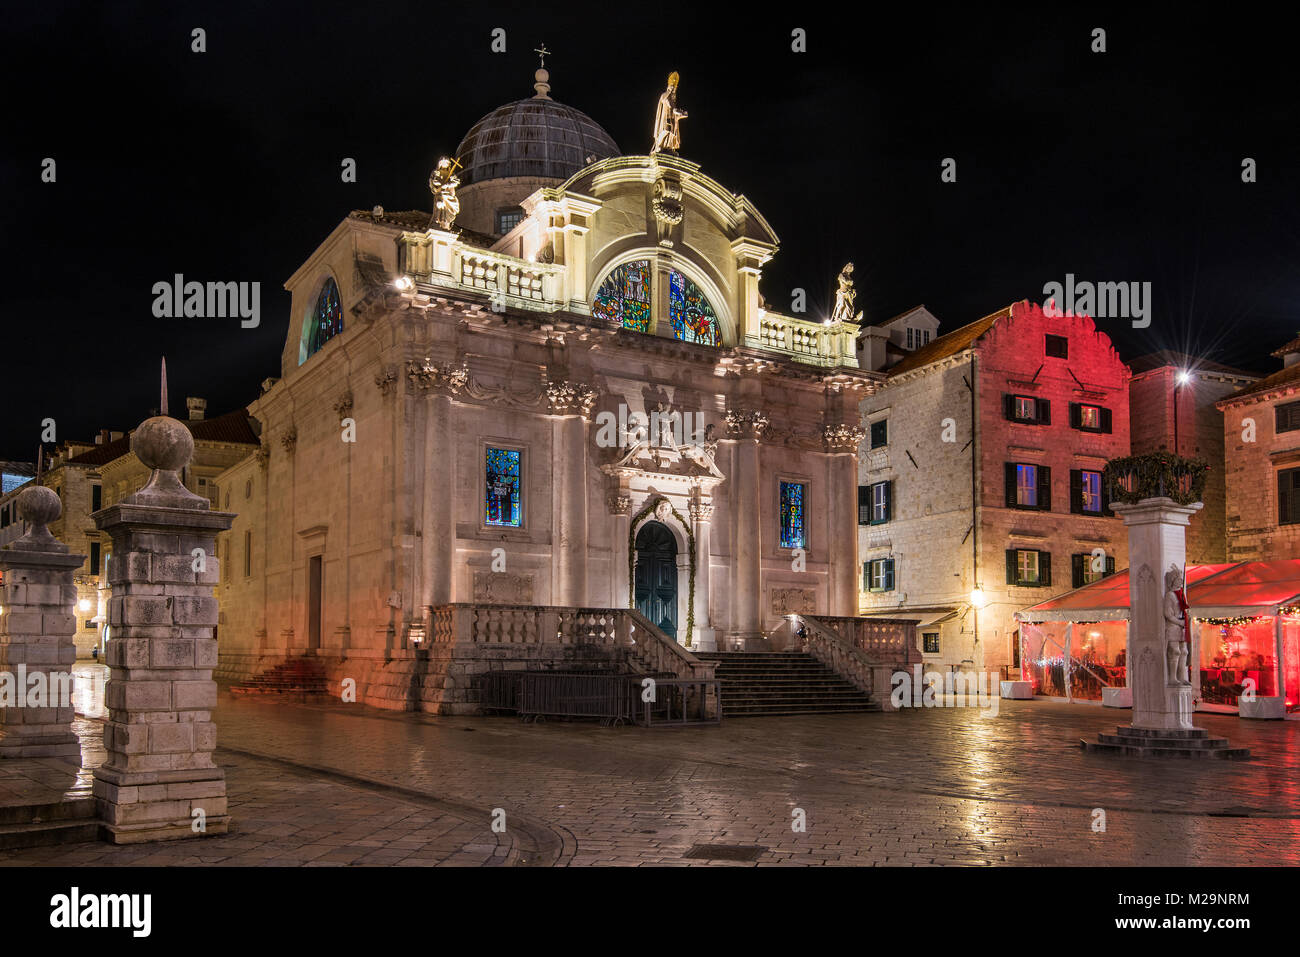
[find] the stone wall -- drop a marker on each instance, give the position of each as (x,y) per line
(1251,469)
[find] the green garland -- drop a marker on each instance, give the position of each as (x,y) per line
(631,561)
(1132,478)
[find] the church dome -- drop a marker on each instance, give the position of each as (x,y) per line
(536,137)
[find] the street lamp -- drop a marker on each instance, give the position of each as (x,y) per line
(977,598)
(1180,379)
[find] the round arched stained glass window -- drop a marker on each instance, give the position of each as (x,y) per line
(689,313)
(624,296)
(326,318)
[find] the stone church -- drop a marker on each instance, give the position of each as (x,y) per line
(562,390)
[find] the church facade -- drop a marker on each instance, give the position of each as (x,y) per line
(581,402)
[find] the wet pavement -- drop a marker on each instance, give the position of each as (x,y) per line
(343,784)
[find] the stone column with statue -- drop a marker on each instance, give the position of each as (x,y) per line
(1156,495)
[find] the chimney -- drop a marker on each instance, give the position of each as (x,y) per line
(196,407)
(114,436)
(102,438)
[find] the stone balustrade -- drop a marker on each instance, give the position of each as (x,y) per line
(809,341)
(522,283)
(882,640)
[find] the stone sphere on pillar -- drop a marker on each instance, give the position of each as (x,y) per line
(39,505)
(163,443)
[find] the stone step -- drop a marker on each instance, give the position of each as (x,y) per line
(1157,751)
(70,809)
(767,683)
(47,833)
(1142,742)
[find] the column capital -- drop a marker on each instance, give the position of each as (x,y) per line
(746,423)
(842,437)
(440,378)
(570,398)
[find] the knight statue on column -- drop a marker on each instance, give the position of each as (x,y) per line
(1176,626)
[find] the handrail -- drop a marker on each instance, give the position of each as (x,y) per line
(836,653)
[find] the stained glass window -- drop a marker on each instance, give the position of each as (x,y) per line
(502,493)
(624,296)
(326,318)
(792,499)
(690,314)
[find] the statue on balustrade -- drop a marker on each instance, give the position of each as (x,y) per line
(846,297)
(443,182)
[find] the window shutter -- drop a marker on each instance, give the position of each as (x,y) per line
(1010,470)
(1044,568)
(1283,498)
(889,500)
(889,574)
(1012,569)
(1105,421)
(864,504)
(1076,569)
(1044,488)
(1008,406)
(1076,491)
(1044,413)
(1110,565)
(866,576)
(1076,417)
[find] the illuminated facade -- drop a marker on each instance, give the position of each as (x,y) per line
(441,446)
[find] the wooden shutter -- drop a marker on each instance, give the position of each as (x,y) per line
(1076,491)
(1044,568)
(1009,470)
(864,504)
(1076,568)
(1076,417)
(1044,488)
(889,574)
(889,500)
(1105,421)
(1110,565)
(1012,569)
(1044,411)
(1009,406)
(1283,496)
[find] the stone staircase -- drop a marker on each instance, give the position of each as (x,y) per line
(1159,743)
(69,821)
(299,678)
(764,683)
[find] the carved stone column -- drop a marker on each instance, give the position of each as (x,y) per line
(36,636)
(745,428)
(570,403)
(439,383)
(842,443)
(619,503)
(701,509)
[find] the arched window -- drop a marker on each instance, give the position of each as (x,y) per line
(624,296)
(326,319)
(689,313)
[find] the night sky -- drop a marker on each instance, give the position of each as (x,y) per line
(225,165)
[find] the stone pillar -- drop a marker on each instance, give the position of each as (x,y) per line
(37,626)
(571,403)
(619,503)
(159,735)
(701,509)
(440,383)
(1156,542)
(842,443)
(746,429)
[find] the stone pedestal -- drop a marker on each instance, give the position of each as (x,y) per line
(161,651)
(1162,702)
(37,628)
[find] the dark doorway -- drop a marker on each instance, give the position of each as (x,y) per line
(315,599)
(656,576)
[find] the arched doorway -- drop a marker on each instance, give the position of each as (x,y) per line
(656,576)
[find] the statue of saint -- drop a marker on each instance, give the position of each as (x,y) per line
(668,134)
(442,183)
(1175,612)
(846,297)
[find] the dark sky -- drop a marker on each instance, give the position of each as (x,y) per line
(1121,166)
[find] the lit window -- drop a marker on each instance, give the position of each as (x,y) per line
(689,313)
(930,642)
(624,296)
(1090,492)
(880,495)
(326,319)
(1027,486)
(1028,566)
(881,574)
(1089,417)
(1025,408)
(502,488)
(792,517)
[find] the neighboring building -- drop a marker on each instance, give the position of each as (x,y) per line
(440,430)
(1172,405)
(89,476)
(1002,495)
(1261,436)
(888,343)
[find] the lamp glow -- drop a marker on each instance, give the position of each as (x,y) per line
(1184,377)
(403,283)
(978,598)
(84,604)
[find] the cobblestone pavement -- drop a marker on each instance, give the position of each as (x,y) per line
(938,786)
